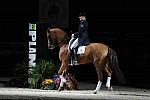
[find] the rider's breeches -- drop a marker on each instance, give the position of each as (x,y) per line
(74,44)
(71,41)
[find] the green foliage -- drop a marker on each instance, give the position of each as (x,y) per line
(44,69)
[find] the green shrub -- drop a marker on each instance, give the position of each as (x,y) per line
(44,69)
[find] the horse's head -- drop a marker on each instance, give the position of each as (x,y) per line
(55,37)
(51,38)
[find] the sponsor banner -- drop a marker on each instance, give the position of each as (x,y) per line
(32,45)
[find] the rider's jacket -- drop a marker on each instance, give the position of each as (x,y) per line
(83,34)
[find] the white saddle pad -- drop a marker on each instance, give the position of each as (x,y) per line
(81,50)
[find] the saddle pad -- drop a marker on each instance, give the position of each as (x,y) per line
(81,50)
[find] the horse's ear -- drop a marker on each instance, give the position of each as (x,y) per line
(49,30)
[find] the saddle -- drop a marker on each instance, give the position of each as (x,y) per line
(81,50)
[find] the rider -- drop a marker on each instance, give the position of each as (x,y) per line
(79,38)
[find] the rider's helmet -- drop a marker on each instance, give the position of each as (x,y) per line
(82,14)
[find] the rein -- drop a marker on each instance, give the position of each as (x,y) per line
(57,43)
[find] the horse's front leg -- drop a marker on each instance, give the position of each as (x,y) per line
(62,71)
(62,81)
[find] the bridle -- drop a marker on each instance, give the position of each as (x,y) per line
(54,42)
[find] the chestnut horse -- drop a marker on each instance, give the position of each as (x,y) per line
(103,58)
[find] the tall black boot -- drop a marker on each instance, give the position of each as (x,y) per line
(74,56)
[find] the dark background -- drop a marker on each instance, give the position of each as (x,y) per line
(121,24)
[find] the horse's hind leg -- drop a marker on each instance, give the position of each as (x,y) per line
(109,73)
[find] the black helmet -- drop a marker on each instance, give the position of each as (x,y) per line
(82,14)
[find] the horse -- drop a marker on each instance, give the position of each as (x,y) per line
(103,57)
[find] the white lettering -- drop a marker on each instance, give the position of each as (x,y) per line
(32,50)
(32,45)
(32,58)
(33,35)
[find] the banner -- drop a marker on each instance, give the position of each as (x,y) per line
(32,45)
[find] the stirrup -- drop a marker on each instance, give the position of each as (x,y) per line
(74,63)
(71,64)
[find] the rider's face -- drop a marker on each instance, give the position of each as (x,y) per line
(82,18)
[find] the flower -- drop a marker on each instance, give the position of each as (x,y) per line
(47,82)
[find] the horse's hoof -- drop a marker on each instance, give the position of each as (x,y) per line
(110,88)
(60,89)
(94,92)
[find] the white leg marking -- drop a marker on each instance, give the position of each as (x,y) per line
(62,78)
(108,82)
(61,83)
(97,87)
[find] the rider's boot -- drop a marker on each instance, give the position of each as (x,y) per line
(75,57)
(72,58)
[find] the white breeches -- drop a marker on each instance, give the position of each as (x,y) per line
(74,44)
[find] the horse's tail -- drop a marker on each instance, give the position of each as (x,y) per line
(113,63)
